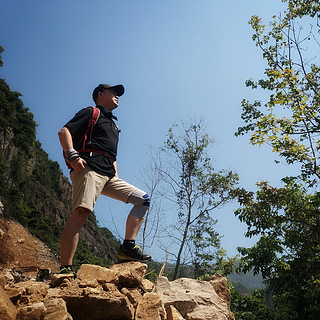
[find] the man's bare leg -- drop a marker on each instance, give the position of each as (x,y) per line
(132,227)
(70,235)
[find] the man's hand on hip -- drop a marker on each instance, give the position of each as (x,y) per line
(78,164)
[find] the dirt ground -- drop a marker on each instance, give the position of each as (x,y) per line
(20,250)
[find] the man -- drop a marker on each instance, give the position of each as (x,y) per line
(94,172)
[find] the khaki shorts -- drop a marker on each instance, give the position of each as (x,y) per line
(88,185)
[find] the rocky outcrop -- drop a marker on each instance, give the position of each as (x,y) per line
(194,299)
(119,292)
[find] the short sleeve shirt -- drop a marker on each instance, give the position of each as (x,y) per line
(105,137)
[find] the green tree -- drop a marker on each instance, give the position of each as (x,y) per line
(287,219)
(251,307)
(290,120)
(288,251)
(192,183)
(1,50)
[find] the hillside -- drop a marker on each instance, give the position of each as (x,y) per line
(20,250)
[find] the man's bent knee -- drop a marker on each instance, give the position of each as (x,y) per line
(141,202)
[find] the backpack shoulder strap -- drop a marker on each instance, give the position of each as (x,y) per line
(95,114)
(87,134)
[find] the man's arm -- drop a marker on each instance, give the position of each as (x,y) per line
(115,168)
(65,137)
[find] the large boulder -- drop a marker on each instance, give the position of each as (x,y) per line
(150,307)
(8,310)
(173,313)
(94,305)
(194,299)
(219,284)
(101,274)
(56,309)
(130,273)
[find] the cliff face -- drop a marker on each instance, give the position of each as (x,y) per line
(33,189)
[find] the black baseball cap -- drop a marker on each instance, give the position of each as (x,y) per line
(101,87)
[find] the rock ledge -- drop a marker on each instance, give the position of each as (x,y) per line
(116,293)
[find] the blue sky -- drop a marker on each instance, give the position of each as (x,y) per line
(176,59)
